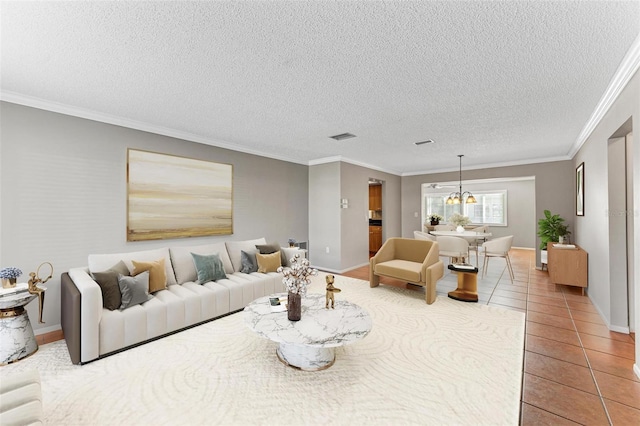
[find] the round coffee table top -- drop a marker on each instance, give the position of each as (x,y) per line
(318,326)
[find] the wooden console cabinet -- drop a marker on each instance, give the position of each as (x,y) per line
(567,266)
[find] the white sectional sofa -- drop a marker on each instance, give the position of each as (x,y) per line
(92,331)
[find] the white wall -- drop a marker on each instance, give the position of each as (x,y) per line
(63,189)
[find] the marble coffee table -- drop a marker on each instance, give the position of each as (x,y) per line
(309,344)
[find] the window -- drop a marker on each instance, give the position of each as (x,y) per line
(490,209)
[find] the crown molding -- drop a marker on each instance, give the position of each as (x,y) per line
(339,158)
(628,67)
(60,108)
(491,165)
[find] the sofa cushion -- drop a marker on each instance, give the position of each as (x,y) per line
(183,261)
(157,274)
(108,282)
(134,290)
(101,262)
(235,247)
(249,261)
(272,248)
(404,270)
(268,262)
(208,267)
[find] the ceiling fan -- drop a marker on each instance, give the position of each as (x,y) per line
(439,186)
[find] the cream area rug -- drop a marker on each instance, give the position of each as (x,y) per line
(449,363)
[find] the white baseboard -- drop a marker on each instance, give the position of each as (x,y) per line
(616,328)
(636,369)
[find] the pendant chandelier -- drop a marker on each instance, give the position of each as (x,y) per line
(458,197)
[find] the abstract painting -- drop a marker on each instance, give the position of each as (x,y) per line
(177,197)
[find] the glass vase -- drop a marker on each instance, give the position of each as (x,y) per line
(294,306)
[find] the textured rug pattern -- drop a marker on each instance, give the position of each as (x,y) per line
(446,363)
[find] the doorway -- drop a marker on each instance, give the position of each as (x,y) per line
(621,228)
(375,215)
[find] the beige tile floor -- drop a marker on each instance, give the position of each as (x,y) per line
(576,371)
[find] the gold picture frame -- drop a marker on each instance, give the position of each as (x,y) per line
(580,190)
(170,196)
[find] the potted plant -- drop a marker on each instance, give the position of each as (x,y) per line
(459,221)
(9,276)
(434,218)
(551,228)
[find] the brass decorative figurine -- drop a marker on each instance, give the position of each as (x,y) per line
(34,280)
(330,292)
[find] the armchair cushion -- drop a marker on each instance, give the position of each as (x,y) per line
(401,269)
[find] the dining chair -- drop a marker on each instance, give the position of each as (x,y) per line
(473,241)
(455,248)
(443,228)
(498,247)
(419,235)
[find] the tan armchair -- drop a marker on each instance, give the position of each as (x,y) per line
(414,261)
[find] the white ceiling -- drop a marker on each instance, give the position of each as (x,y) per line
(501,82)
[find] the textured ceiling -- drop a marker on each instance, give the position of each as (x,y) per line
(501,82)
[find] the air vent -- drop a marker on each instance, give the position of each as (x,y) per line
(424,142)
(343,136)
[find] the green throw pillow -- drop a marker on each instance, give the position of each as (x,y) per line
(209,268)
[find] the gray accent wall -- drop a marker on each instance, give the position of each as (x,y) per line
(345,231)
(355,219)
(63,188)
(553,191)
(521,209)
(324,216)
(593,229)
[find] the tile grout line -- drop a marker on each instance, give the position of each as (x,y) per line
(524,340)
(523,366)
(586,357)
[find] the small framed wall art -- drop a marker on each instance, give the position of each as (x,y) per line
(177,197)
(580,190)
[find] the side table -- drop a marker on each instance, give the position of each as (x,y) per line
(467,290)
(17,340)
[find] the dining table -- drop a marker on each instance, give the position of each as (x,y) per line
(479,236)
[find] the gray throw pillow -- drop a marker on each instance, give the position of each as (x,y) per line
(249,262)
(209,268)
(135,290)
(272,248)
(108,282)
